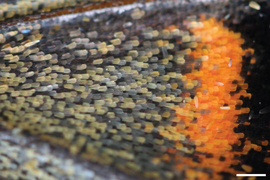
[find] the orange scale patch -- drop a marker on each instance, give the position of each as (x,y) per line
(213,106)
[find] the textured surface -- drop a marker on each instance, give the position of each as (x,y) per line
(151,92)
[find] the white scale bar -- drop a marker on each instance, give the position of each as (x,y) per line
(251,175)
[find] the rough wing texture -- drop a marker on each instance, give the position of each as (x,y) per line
(150,91)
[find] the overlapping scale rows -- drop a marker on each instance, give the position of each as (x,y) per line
(152,93)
